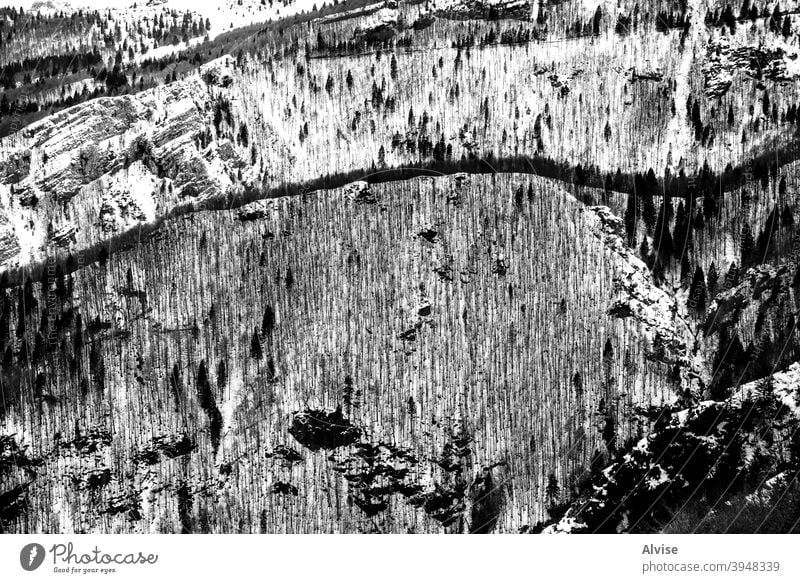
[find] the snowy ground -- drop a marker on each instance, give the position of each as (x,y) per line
(223,14)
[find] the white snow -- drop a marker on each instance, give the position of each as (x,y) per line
(681,417)
(231,403)
(679,135)
(653,482)
(564,526)
(350,13)
(224,15)
(383,17)
(128,199)
(785,386)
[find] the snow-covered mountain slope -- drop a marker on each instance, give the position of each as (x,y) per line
(250,313)
(218,364)
(225,14)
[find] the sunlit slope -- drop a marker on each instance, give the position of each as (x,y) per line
(418,355)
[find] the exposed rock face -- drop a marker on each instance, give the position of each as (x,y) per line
(127,202)
(360,193)
(483,8)
(723,61)
(64,235)
(15,167)
(379,26)
(9,245)
(560,84)
(254,210)
(639,297)
(323,429)
(115,162)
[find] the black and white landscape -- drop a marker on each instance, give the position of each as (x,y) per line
(405,266)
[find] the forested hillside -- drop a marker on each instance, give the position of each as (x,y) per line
(440,266)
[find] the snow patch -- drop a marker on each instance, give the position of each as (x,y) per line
(128,200)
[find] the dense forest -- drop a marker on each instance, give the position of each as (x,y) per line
(438,266)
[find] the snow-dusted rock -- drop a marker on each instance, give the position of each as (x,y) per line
(254,210)
(15,166)
(785,385)
(114,162)
(128,200)
(482,8)
(640,297)
(64,235)
(359,192)
(723,61)
(9,245)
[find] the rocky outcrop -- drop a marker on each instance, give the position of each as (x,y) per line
(127,199)
(9,245)
(319,429)
(462,9)
(258,209)
(379,26)
(115,162)
(723,61)
(15,167)
(640,298)
(360,193)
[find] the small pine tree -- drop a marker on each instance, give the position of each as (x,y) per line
(662,238)
(711,280)
(268,321)
(681,234)
(747,245)
(519,197)
(577,383)
(598,16)
(744,12)
(644,249)
(630,219)
(552,490)
(697,292)
(648,188)
(175,383)
(608,360)
(222,375)
(256,351)
(203,386)
(787,218)
(699,222)
(686,270)
(732,277)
